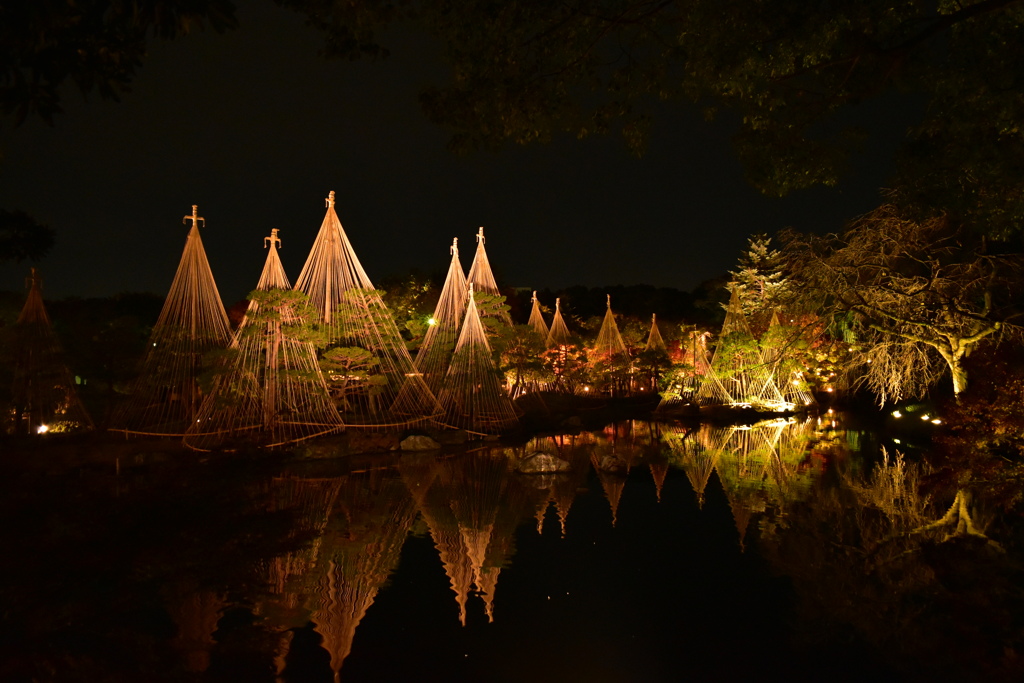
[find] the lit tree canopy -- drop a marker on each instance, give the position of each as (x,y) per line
(760,282)
(916,290)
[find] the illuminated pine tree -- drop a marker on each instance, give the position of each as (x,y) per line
(760,282)
(356,317)
(271,391)
(166,396)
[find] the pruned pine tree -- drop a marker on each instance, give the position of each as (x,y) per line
(354,315)
(473,396)
(761,282)
(271,391)
(193,324)
(438,345)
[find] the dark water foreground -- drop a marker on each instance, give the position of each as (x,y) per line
(782,551)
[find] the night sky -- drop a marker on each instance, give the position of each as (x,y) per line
(256,128)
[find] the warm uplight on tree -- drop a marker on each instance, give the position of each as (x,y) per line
(42,429)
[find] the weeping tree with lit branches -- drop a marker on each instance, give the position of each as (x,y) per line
(922,295)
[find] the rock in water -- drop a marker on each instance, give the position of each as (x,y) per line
(419,442)
(542,463)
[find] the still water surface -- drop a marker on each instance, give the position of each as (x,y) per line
(666,553)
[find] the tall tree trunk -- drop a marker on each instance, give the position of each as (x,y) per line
(959,373)
(954,359)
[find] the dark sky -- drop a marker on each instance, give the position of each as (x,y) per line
(255,128)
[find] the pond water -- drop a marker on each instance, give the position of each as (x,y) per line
(667,552)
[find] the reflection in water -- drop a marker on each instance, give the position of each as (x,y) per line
(271,578)
(762,468)
(360,522)
(195,612)
(473,504)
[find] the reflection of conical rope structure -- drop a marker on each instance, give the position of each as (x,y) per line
(566,488)
(537,319)
(558,335)
(738,373)
(472,506)
(477,486)
(472,397)
(165,397)
(611,472)
(43,395)
(438,345)
(434,501)
(273,392)
(311,502)
(361,548)
(696,460)
(609,341)
(613,485)
(655,342)
(659,471)
(562,487)
(489,503)
(747,457)
(195,613)
(355,316)
(482,278)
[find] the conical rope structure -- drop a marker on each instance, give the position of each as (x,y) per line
(655,342)
(272,393)
(44,397)
(738,373)
(694,354)
(558,335)
(166,396)
(609,341)
(482,277)
(376,385)
(788,374)
(473,397)
(435,354)
(536,320)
